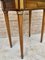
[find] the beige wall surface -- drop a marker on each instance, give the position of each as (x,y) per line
(36,22)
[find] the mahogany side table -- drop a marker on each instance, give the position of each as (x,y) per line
(20,6)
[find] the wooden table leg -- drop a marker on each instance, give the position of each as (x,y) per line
(42,30)
(8,26)
(20,22)
(29,23)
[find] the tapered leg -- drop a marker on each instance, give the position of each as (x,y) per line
(8,26)
(29,23)
(42,30)
(20,22)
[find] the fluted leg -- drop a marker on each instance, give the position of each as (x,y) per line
(29,23)
(8,26)
(20,22)
(42,30)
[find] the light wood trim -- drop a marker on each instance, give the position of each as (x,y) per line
(16,4)
(21,4)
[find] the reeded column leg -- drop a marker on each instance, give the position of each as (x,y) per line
(42,30)
(29,23)
(8,26)
(20,22)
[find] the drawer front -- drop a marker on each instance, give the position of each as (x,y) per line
(10,4)
(34,4)
(41,4)
(30,4)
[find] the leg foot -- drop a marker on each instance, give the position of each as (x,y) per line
(8,27)
(20,22)
(42,31)
(29,23)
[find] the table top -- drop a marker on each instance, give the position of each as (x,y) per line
(23,4)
